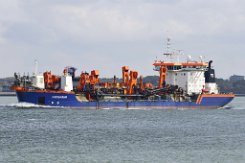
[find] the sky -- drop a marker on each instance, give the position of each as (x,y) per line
(109,34)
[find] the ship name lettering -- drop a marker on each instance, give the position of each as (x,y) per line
(59,97)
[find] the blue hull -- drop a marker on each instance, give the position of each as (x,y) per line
(70,100)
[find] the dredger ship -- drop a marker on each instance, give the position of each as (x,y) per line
(189,84)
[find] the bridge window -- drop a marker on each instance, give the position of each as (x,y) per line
(170,67)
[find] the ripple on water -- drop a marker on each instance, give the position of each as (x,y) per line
(121,135)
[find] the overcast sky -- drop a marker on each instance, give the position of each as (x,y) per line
(108,34)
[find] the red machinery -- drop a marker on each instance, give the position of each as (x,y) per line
(50,80)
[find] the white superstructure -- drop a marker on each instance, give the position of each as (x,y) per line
(194,77)
(38,81)
(66,82)
(191,80)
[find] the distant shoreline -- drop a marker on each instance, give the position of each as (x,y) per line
(7,94)
(240,95)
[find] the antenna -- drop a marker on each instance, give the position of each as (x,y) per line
(189,58)
(168,53)
(36,67)
(173,54)
(201,58)
(179,52)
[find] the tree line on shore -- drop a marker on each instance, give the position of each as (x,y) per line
(225,86)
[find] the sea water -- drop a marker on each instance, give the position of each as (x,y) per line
(30,133)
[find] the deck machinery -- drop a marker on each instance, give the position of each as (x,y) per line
(189,84)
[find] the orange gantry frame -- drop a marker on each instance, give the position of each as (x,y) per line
(85,78)
(129,79)
(125,75)
(132,81)
(162,77)
(94,77)
(50,80)
(163,69)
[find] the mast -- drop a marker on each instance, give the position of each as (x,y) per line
(36,67)
(168,53)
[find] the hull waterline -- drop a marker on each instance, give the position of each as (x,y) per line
(65,99)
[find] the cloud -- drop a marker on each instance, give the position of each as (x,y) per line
(109,34)
(92,24)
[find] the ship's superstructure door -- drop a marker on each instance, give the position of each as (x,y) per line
(41,100)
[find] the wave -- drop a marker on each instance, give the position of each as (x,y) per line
(237,107)
(25,105)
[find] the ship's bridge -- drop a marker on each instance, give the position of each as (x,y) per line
(171,66)
(187,75)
